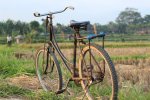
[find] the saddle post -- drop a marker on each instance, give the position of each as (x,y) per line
(75,50)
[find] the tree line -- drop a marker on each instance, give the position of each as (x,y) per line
(128,21)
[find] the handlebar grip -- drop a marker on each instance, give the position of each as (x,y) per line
(70,7)
(37,14)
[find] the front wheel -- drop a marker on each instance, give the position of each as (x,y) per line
(48,70)
(99,79)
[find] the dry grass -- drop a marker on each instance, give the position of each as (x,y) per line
(134,75)
(25,81)
(128,51)
(141,63)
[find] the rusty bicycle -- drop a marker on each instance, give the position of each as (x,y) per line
(94,71)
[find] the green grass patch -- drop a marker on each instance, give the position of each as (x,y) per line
(48,96)
(7,90)
(10,65)
(133,93)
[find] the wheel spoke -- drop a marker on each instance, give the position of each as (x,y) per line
(96,62)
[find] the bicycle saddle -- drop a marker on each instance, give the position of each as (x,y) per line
(76,24)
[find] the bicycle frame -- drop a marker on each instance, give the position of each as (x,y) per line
(53,43)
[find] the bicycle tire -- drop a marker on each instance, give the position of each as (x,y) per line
(114,82)
(47,83)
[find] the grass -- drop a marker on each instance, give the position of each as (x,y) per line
(7,90)
(48,96)
(133,93)
(10,91)
(131,57)
(126,44)
(66,45)
(108,37)
(127,37)
(10,66)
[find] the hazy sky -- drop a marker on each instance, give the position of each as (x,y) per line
(96,11)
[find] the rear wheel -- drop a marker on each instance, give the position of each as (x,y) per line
(100,79)
(48,71)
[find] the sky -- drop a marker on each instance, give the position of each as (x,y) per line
(95,11)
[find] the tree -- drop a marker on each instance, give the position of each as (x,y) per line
(34,25)
(112,27)
(122,28)
(146,19)
(1,28)
(101,28)
(59,27)
(129,16)
(10,26)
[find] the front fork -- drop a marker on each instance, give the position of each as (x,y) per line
(49,62)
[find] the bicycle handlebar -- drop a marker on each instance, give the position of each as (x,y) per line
(51,13)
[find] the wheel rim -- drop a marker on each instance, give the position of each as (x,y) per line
(104,88)
(49,80)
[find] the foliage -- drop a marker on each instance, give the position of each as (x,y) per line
(129,16)
(34,25)
(16,27)
(128,21)
(146,19)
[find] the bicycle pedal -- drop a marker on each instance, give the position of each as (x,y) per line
(61,91)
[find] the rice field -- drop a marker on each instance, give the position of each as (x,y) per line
(18,78)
